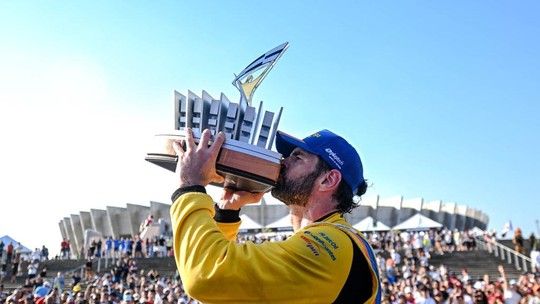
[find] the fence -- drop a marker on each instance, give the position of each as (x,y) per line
(519,260)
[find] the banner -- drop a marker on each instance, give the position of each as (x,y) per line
(507,227)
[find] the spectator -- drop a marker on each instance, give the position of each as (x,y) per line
(391,272)
(15,271)
(535,297)
(510,289)
(43,290)
(32,270)
(518,241)
(99,248)
(109,249)
(64,252)
(44,253)
(424,296)
(43,272)
(535,259)
(464,277)
(88,269)
(533,242)
(147,222)
(9,252)
(59,282)
(3,271)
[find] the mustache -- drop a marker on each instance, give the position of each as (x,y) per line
(281,176)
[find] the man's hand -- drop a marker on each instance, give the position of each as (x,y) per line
(196,164)
(501,269)
(232,199)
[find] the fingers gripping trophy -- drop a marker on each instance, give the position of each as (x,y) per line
(245,160)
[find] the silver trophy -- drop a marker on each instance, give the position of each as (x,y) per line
(245,159)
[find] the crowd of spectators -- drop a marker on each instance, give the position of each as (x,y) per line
(12,259)
(123,283)
(159,246)
(404,260)
(408,277)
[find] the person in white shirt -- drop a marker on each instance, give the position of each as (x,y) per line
(535,259)
(32,270)
(510,289)
(423,296)
(535,299)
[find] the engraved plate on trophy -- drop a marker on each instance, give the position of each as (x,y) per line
(245,159)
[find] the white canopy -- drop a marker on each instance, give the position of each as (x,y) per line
(7,239)
(369,224)
(283,223)
(248,223)
(418,222)
(477,231)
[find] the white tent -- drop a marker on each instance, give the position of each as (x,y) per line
(283,223)
(7,239)
(369,224)
(418,222)
(248,223)
(477,231)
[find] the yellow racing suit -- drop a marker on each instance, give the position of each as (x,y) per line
(311,266)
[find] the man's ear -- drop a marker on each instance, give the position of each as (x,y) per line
(331,180)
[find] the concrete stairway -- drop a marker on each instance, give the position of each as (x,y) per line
(477,262)
(165,266)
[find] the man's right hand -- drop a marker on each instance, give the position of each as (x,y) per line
(196,164)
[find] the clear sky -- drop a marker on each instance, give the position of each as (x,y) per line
(441,98)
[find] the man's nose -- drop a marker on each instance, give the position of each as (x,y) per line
(284,161)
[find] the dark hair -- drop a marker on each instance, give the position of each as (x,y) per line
(343,195)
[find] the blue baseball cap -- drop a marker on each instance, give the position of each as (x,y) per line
(332,148)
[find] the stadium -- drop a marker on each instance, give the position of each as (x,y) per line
(373,214)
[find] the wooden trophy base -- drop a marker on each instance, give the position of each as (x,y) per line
(244,166)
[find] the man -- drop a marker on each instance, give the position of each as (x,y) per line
(322,262)
(511,292)
(43,290)
(9,252)
(64,248)
(535,298)
(424,295)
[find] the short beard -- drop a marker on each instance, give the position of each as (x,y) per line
(295,192)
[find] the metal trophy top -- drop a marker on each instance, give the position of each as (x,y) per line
(246,158)
(266,61)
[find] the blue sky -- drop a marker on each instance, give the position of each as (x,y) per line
(441,98)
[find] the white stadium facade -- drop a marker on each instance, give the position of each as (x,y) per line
(373,214)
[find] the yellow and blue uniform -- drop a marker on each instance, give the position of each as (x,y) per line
(321,263)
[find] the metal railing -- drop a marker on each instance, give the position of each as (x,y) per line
(519,260)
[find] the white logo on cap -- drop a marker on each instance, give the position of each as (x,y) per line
(334,157)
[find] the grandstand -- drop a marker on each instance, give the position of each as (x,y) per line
(270,215)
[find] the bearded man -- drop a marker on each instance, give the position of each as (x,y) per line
(324,261)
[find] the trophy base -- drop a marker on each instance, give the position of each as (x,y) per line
(244,166)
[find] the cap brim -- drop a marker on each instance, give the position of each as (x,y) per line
(286,143)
